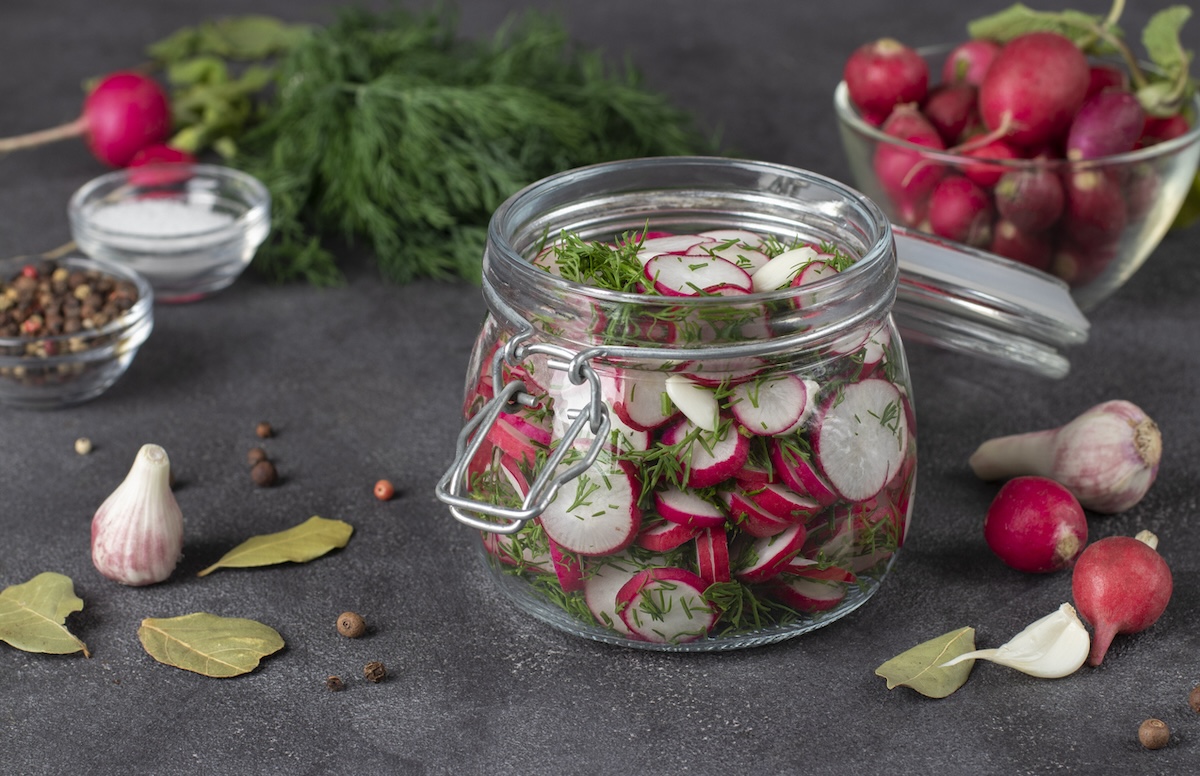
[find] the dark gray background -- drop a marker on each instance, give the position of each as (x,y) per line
(363,381)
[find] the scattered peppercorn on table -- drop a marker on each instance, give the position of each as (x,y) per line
(400,655)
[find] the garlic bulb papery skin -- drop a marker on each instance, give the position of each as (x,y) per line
(1053,647)
(137,533)
(1107,457)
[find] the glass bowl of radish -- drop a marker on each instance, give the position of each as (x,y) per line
(688,422)
(190,229)
(1030,151)
(69,328)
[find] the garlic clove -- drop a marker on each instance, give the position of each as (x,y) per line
(1053,647)
(137,533)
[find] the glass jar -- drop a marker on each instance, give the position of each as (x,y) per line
(607,502)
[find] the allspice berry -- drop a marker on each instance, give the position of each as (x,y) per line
(255,455)
(264,430)
(1154,734)
(374,672)
(1194,699)
(263,473)
(335,683)
(351,625)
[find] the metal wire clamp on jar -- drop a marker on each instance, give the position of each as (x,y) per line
(547,418)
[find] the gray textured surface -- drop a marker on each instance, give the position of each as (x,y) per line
(362,382)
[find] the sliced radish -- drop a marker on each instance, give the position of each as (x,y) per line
(687,508)
(861,437)
(740,236)
(708,458)
(712,555)
(596,513)
(749,259)
(752,476)
(750,518)
(811,569)
(664,536)
(720,372)
(799,474)
(547,259)
(767,556)
(698,403)
(666,606)
(780,271)
(875,351)
(603,579)
(567,567)
(807,595)
(674,275)
(642,401)
(515,442)
(785,504)
(674,243)
(771,406)
(517,550)
(813,272)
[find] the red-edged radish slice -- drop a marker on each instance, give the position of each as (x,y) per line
(665,536)
(785,504)
(687,508)
(642,401)
(811,569)
(780,271)
(547,259)
(708,458)
(727,371)
(567,567)
(771,406)
(770,554)
(674,243)
(749,259)
(738,236)
(807,595)
(752,476)
(603,579)
(515,442)
(875,351)
(698,403)
(516,550)
(674,275)
(815,271)
(712,555)
(750,518)
(861,437)
(667,606)
(800,475)
(596,513)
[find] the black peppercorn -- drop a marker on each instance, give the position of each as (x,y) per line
(263,473)
(335,683)
(374,672)
(255,455)
(351,625)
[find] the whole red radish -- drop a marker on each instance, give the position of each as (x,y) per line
(968,62)
(1158,130)
(1033,248)
(1035,525)
(883,74)
(984,174)
(1108,123)
(950,108)
(903,172)
(125,113)
(960,210)
(1121,585)
(1104,77)
(1079,265)
(1095,212)
(1032,199)
(160,153)
(1034,88)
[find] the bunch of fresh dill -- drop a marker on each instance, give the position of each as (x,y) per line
(392,130)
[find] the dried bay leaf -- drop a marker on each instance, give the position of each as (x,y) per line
(311,539)
(209,644)
(920,668)
(32,615)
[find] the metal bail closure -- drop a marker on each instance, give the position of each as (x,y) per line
(456,481)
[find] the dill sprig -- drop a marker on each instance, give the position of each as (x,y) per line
(389,129)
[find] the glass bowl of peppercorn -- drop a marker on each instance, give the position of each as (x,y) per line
(69,328)
(189,229)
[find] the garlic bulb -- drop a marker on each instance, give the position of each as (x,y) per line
(1053,647)
(137,533)
(1107,457)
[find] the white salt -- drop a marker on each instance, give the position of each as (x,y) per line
(159,218)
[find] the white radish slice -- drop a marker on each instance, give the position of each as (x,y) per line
(511,551)
(727,290)
(674,275)
(516,444)
(769,555)
(785,504)
(749,518)
(771,406)
(811,569)
(687,508)
(780,271)
(567,567)
(861,437)
(748,259)
(596,513)
(674,243)
(640,399)
(723,371)
(711,458)
(603,580)
(571,399)
(547,259)
(665,536)
(698,403)
(800,475)
(667,606)
(742,236)
(712,555)
(817,270)
(807,595)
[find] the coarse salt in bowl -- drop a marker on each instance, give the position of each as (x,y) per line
(190,229)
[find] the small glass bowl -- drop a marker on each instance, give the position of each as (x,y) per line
(1151,181)
(190,229)
(45,372)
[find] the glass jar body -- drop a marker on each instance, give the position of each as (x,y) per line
(743,466)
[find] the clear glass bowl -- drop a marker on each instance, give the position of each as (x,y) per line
(56,370)
(189,229)
(572,455)
(1151,183)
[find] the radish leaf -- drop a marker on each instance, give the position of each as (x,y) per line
(1161,39)
(311,539)
(207,644)
(1019,19)
(32,615)
(920,668)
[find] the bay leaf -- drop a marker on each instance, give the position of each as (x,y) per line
(311,539)
(32,615)
(209,644)
(920,668)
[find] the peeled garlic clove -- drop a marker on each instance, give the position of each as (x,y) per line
(137,533)
(698,403)
(1053,647)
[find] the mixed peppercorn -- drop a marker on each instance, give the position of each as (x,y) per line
(48,300)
